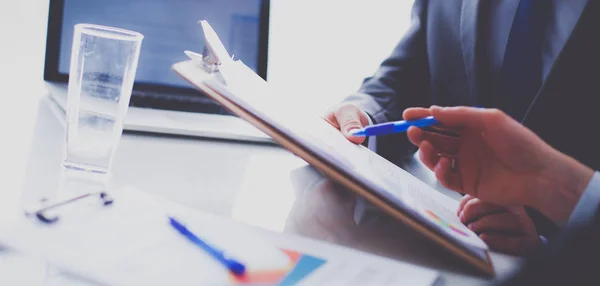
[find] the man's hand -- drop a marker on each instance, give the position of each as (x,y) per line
(498,160)
(504,229)
(348,117)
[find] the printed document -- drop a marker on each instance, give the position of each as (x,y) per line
(132,243)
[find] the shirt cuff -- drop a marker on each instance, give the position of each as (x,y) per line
(587,206)
(372,140)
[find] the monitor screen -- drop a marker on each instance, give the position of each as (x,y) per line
(169,27)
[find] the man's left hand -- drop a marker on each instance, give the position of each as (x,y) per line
(504,229)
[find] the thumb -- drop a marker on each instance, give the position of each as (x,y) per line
(351,118)
(459,117)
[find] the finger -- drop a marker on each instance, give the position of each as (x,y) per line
(428,155)
(417,135)
(515,245)
(414,135)
(330,118)
(459,117)
(415,113)
(497,223)
(475,209)
(446,176)
(350,118)
(465,199)
(443,144)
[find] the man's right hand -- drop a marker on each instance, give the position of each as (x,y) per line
(500,161)
(348,117)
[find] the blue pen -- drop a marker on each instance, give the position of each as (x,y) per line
(394,127)
(233,265)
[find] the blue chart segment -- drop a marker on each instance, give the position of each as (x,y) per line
(306,265)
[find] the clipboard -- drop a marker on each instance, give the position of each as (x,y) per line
(238,89)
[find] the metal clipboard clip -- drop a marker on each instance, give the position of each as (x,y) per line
(214,53)
(42,215)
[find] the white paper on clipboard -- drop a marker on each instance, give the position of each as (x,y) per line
(432,205)
(401,194)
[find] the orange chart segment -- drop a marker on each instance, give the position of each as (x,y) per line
(301,266)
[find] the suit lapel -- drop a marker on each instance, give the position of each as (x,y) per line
(468,35)
(575,16)
(567,17)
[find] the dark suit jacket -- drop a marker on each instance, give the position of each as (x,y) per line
(438,62)
(570,260)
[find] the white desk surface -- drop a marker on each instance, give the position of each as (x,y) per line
(261,185)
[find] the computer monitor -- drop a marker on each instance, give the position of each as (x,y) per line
(169,27)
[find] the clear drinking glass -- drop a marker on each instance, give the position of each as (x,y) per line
(103,65)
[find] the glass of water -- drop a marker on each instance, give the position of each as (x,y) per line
(103,65)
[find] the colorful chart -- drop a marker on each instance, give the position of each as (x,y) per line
(301,265)
(446,224)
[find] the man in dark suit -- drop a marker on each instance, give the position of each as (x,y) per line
(501,161)
(535,60)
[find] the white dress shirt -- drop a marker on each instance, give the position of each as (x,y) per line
(588,204)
